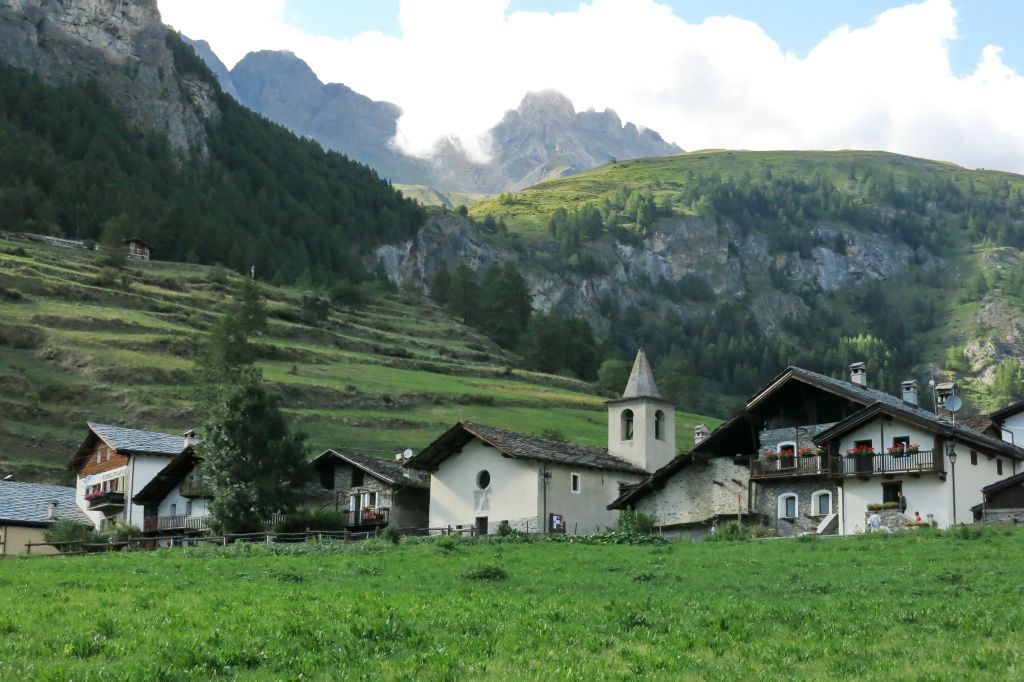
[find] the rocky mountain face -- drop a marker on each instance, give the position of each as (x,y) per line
(207,54)
(283,88)
(123,47)
(730,258)
(544,138)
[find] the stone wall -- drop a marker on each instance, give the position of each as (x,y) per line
(771,438)
(766,504)
(699,493)
(1011,515)
(893,519)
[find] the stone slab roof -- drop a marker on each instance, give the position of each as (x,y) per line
(519,446)
(137,441)
(389,471)
(28,504)
(641,379)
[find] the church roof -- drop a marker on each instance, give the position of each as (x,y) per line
(641,379)
(518,446)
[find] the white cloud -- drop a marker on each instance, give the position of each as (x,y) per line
(459,64)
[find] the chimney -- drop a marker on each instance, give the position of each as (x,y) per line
(190,438)
(859,374)
(909,390)
(700,434)
(943,391)
(51,513)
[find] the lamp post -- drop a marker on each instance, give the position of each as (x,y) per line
(951,453)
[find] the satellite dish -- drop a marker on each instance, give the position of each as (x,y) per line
(953,403)
(407,454)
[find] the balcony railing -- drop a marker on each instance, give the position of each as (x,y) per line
(106,501)
(367,517)
(176,522)
(881,463)
(196,488)
(786,467)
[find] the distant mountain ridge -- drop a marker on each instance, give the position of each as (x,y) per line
(544,138)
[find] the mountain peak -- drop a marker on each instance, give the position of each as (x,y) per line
(546,104)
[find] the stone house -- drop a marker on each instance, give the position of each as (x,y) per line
(785,455)
(482,476)
(371,492)
(28,509)
(1002,501)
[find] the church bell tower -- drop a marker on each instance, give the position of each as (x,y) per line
(641,424)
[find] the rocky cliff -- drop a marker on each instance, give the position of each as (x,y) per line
(121,44)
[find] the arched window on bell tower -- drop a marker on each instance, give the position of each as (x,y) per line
(659,425)
(627,425)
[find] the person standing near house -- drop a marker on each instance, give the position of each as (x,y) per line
(917,517)
(902,502)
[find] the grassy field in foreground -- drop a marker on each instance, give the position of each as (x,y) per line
(912,606)
(378,378)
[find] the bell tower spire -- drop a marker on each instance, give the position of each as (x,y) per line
(641,424)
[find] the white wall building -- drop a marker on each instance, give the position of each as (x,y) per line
(482,476)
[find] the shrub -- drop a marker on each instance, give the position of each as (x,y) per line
(504,529)
(728,532)
(119,532)
(10,294)
(315,310)
(762,532)
(312,519)
(880,506)
(392,534)
(67,530)
(609,538)
(492,573)
(631,521)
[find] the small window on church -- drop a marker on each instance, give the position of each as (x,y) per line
(627,425)
(659,425)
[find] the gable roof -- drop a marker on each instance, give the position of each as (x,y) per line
(1008,411)
(129,442)
(171,475)
(28,504)
(1005,483)
(389,471)
(518,446)
(925,420)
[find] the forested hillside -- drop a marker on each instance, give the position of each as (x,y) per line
(733,265)
(72,165)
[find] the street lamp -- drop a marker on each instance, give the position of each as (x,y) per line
(951,453)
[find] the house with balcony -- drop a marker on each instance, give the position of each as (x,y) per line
(809,453)
(370,492)
(114,464)
(176,500)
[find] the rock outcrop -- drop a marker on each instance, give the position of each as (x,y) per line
(122,45)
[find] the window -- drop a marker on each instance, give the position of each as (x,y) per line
(627,425)
(357,477)
(483,479)
(659,425)
(788,504)
(891,491)
(99,455)
(821,503)
(974,457)
(574,482)
(327,476)
(999,467)
(174,509)
(901,442)
(107,452)
(787,449)
(188,507)
(369,500)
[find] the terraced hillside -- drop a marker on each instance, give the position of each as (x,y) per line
(379,378)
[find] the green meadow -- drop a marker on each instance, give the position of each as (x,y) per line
(913,606)
(390,374)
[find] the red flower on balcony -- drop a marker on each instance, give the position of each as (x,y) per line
(860,450)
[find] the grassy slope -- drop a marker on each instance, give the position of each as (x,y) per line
(908,606)
(530,209)
(429,196)
(72,351)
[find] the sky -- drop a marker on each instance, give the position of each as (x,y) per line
(939,79)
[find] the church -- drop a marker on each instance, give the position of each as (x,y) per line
(484,476)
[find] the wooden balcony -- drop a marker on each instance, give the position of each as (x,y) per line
(196,489)
(109,501)
(362,518)
(176,522)
(789,467)
(886,464)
